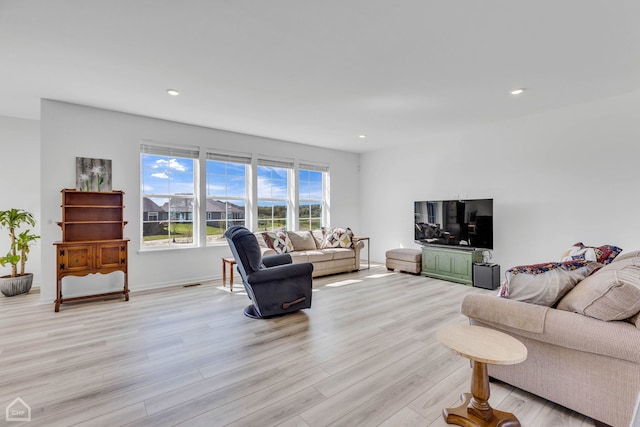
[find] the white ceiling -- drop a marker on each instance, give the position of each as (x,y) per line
(319,72)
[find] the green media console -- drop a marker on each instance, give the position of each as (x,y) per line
(455,265)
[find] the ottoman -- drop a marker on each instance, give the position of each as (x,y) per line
(404,259)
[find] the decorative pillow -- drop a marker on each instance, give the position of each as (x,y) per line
(318,236)
(613,293)
(261,240)
(602,254)
(266,238)
(544,284)
(337,237)
(302,240)
(278,241)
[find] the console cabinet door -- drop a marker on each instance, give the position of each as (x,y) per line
(450,264)
(429,261)
(110,255)
(76,258)
(461,265)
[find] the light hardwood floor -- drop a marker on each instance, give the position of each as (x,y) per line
(365,354)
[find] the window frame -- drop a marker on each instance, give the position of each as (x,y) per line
(235,159)
(289,167)
(170,153)
(323,201)
(290,197)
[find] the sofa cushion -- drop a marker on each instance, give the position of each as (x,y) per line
(603,254)
(613,293)
(336,237)
(299,256)
(340,253)
(544,284)
(316,256)
(278,241)
(302,240)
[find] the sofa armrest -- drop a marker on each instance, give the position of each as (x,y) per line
(617,339)
(357,246)
(511,313)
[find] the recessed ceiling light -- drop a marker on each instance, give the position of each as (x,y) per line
(173,92)
(517,91)
(362,136)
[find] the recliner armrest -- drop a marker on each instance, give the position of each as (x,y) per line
(280,272)
(274,260)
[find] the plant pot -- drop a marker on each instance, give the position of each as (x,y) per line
(11,286)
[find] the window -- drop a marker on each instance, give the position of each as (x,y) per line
(226,193)
(167,177)
(190,199)
(311,200)
(273,194)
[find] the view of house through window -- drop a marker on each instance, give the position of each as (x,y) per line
(226,194)
(168,197)
(173,215)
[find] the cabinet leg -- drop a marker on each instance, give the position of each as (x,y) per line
(58,294)
(126,286)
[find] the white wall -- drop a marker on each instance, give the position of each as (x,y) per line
(70,131)
(556,178)
(20,181)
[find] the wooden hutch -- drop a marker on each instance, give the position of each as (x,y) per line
(92,239)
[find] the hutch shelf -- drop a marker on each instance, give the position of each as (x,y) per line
(92,239)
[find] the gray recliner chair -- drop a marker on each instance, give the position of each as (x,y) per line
(273,283)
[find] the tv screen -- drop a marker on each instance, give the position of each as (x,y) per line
(459,223)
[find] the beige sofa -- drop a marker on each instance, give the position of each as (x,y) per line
(589,365)
(307,248)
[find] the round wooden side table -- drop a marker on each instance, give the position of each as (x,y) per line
(482,346)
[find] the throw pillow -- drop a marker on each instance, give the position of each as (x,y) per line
(278,241)
(603,254)
(544,284)
(267,239)
(613,293)
(337,237)
(261,240)
(302,240)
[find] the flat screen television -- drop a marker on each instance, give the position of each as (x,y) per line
(464,224)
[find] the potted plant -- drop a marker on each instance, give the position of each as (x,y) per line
(15,283)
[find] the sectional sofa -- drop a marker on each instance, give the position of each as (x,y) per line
(584,350)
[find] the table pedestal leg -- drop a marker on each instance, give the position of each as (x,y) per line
(475,410)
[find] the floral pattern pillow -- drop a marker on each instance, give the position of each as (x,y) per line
(336,237)
(278,241)
(545,284)
(603,254)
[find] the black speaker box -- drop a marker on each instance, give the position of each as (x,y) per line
(486,276)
